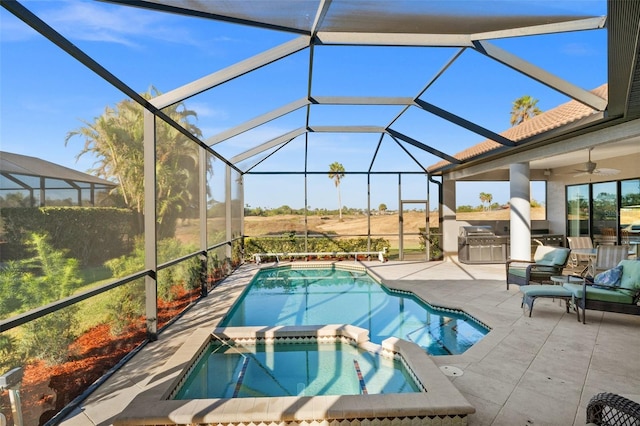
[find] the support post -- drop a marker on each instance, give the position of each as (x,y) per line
(150,232)
(449,225)
(520,215)
(10,381)
(202,213)
(228,218)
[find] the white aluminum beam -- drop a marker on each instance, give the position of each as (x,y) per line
(361,100)
(544,77)
(229,73)
(464,123)
(429,83)
(422,146)
(393,39)
(323,8)
(268,145)
(257,121)
(347,129)
(558,27)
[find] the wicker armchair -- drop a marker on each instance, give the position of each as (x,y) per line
(614,410)
(547,262)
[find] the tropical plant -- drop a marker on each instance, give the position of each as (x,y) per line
(524,108)
(46,277)
(336,173)
(9,355)
(382,207)
(115,138)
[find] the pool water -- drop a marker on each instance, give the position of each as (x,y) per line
(289,296)
(293,369)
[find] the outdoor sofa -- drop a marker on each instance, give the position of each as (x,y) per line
(621,296)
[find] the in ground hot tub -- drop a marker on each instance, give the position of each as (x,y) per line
(434,401)
(294,367)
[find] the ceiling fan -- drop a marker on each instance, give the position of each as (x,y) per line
(589,168)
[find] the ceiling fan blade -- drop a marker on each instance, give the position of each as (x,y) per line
(606,172)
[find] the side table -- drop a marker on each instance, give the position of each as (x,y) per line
(561,279)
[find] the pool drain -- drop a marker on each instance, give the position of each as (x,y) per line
(451,371)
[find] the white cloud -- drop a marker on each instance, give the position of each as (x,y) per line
(578,49)
(205,110)
(100,22)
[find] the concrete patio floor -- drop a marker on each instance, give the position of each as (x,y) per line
(528,371)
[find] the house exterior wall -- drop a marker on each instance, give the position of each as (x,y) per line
(629,167)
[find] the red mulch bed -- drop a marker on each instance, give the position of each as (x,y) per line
(47,389)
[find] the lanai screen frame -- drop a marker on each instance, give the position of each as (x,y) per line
(336,32)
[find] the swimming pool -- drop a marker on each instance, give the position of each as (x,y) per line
(293,368)
(331,295)
(438,401)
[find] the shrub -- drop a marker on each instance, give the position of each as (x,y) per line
(125,306)
(9,355)
(91,235)
(46,277)
(127,302)
(434,239)
(290,243)
(49,337)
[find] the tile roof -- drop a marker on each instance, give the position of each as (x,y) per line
(559,116)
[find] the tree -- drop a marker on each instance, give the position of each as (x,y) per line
(524,108)
(382,207)
(336,172)
(116,139)
(486,198)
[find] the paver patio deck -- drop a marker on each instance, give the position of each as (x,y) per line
(528,371)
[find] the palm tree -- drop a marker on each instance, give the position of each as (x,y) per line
(524,108)
(336,172)
(486,198)
(115,138)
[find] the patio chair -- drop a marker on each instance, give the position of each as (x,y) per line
(547,262)
(607,237)
(608,257)
(579,243)
(611,409)
(614,291)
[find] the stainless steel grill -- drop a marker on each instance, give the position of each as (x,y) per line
(476,231)
(480,244)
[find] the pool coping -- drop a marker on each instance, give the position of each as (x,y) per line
(441,401)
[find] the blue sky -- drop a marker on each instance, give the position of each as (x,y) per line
(45,93)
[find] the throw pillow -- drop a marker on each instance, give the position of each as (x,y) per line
(609,278)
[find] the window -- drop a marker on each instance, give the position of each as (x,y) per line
(630,211)
(607,211)
(578,210)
